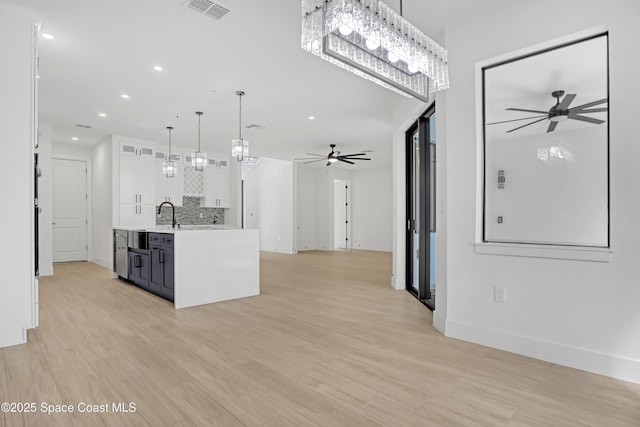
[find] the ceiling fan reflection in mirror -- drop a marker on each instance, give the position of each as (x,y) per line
(560,112)
(333,156)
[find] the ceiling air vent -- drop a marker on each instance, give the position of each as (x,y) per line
(255,126)
(79,125)
(207,8)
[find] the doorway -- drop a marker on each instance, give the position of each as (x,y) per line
(421,208)
(69,210)
(341,214)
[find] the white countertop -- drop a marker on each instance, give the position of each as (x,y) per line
(167,229)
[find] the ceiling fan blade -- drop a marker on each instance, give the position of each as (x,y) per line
(307,158)
(516,120)
(586,119)
(590,104)
(313,161)
(340,159)
(528,124)
(552,126)
(313,154)
(528,111)
(591,110)
(350,155)
(568,99)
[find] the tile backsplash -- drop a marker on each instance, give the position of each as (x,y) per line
(189,214)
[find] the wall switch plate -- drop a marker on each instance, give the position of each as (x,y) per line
(499,294)
(201,215)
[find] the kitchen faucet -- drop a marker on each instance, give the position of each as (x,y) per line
(173,212)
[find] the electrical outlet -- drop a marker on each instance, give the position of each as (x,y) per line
(499,294)
(201,215)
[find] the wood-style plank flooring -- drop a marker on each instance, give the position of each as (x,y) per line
(327,343)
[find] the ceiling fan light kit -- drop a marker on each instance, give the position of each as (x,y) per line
(333,157)
(369,39)
(561,112)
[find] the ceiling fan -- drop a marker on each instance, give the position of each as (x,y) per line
(333,156)
(560,111)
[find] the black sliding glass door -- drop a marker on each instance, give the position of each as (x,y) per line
(421,213)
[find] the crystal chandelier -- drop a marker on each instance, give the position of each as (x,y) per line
(369,39)
(199,159)
(169,167)
(250,162)
(240,147)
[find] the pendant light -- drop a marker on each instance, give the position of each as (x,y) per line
(199,159)
(240,147)
(169,167)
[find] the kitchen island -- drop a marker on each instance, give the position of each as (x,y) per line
(210,264)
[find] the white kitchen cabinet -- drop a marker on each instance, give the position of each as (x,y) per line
(137,185)
(169,189)
(19,115)
(217,190)
(136,215)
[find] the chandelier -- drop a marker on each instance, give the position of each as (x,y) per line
(240,147)
(250,162)
(369,39)
(199,159)
(169,167)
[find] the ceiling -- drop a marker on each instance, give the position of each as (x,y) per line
(103,49)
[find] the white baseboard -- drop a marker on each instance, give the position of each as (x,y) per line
(398,284)
(280,250)
(46,271)
(106,263)
(440,323)
(611,365)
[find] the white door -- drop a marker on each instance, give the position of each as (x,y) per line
(69,210)
(341,214)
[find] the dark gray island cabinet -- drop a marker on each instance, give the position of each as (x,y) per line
(151,263)
(162,265)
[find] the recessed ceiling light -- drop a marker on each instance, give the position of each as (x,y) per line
(74,138)
(157,68)
(47,36)
(102,114)
(312,118)
(125,96)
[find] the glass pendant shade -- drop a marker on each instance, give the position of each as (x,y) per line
(199,159)
(369,39)
(250,162)
(240,146)
(169,167)
(240,149)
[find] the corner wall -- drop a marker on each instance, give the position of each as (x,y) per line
(269,204)
(575,313)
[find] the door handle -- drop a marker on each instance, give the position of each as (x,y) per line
(161,257)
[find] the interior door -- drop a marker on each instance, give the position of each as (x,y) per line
(69,210)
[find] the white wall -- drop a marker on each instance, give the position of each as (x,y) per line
(45,200)
(306,203)
(371,207)
(18,122)
(575,313)
(102,159)
(371,215)
(269,204)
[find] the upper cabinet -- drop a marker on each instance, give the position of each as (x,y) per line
(217,189)
(169,189)
(137,184)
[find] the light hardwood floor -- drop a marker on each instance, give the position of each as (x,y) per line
(327,343)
